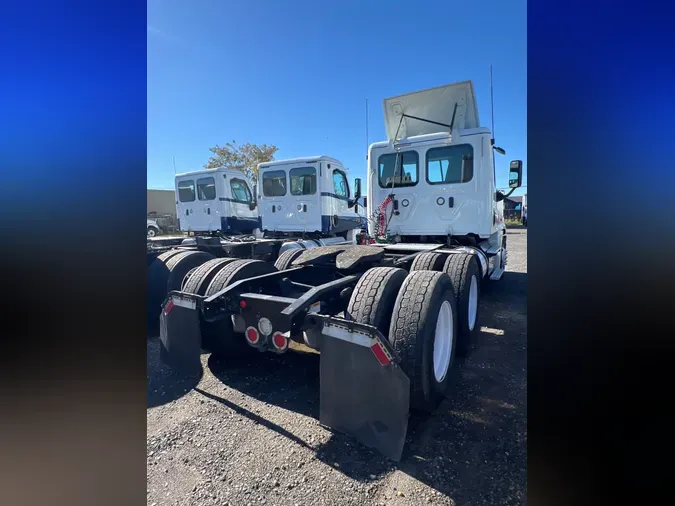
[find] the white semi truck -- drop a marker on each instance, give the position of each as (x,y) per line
(389,314)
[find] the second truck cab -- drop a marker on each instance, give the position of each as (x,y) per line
(310,195)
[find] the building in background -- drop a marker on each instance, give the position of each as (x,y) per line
(162,202)
(512,207)
(162,209)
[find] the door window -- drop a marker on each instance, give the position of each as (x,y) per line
(240,191)
(340,186)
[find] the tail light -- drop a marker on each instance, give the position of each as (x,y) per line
(252,335)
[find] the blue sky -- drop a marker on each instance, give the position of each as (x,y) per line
(297,74)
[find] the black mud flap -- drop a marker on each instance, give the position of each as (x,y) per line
(364,393)
(180,336)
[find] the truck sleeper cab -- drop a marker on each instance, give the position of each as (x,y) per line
(216,200)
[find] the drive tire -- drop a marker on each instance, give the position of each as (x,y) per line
(197,280)
(180,265)
(166,273)
(219,337)
(285,260)
(425,298)
(374,296)
(428,261)
(466,276)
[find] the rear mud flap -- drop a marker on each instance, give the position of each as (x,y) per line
(180,336)
(363,392)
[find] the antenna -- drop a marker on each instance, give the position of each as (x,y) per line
(366,129)
(174,165)
(492,109)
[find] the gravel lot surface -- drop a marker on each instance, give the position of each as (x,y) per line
(249,434)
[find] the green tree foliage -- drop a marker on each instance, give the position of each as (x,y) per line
(243,157)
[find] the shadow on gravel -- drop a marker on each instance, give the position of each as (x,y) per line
(164,385)
(290,380)
(256,418)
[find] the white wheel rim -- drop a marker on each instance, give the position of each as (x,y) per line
(151,232)
(443,341)
(473,302)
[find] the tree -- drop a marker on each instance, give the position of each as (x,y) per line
(245,157)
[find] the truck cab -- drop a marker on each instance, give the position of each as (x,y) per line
(216,200)
(309,195)
(438,164)
(433,180)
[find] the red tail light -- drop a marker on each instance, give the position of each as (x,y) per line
(252,335)
(279,341)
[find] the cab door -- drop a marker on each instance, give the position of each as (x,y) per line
(305,198)
(242,218)
(205,215)
(187,206)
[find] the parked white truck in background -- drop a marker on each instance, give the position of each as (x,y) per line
(305,203)
(152,228)
(213,200)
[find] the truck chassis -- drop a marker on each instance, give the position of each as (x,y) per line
(343,301)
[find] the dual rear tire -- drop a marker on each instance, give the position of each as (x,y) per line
(465,274)
(418,312)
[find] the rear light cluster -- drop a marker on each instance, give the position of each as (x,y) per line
(279,340)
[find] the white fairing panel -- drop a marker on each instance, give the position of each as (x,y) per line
(435,104)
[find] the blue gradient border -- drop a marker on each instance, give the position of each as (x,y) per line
(601,234)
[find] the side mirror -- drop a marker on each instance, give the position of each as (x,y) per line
(254,204)
(357,188)
(515,174)
(357,193)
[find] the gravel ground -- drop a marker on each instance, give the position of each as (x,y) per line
(249,434)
